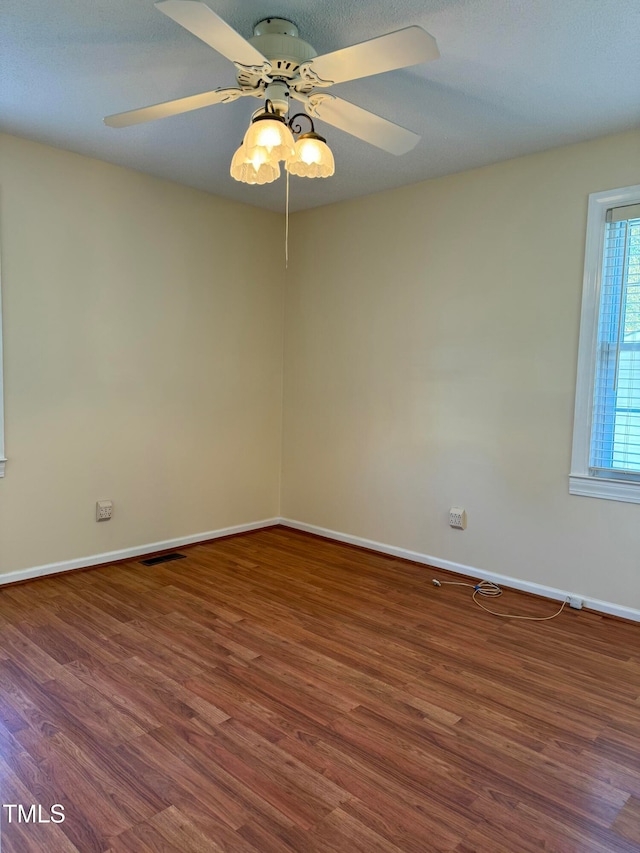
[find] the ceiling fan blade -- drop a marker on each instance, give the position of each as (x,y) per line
(203,22)
(385,53)
(367,126)
(172,108)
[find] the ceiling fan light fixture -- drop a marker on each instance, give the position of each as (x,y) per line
(255,167)
(268,130)
(312,157)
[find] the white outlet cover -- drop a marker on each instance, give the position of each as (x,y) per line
(104,510)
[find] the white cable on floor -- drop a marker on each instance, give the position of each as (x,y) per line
(488,589)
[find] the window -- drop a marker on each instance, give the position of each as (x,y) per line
(606,439)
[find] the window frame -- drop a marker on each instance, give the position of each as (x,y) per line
(581,480)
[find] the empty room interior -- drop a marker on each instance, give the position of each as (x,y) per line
(320,426)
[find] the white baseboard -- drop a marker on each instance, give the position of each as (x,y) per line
(596,604)
(130,553)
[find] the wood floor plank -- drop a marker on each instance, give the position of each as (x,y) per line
(380,800)
(286,795)
(627,823)
(156,757)
(32,837)
(341,829)
(279,693)
(180,834)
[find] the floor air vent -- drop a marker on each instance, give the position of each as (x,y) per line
(164,558)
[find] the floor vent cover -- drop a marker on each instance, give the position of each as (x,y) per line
(164,558)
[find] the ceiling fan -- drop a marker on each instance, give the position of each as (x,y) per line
(276,65)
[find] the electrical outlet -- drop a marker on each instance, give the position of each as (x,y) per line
(575,602)
(457,517)
(104,510)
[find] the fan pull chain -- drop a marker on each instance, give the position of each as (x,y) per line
(286,227)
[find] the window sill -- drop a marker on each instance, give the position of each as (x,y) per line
(610,490)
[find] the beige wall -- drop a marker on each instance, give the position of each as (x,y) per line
(430,360)
(143,354)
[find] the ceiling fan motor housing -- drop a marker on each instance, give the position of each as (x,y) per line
(278,40)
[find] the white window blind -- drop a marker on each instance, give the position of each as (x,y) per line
(605,460)
(615,428)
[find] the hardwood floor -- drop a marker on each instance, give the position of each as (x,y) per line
(277,692)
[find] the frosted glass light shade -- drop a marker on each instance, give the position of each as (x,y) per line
(312,158)
(255,168)
(271,134)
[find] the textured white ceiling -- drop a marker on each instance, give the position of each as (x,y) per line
(515,76)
